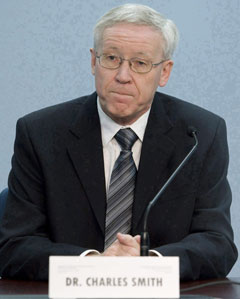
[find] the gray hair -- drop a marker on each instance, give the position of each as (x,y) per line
(140,15)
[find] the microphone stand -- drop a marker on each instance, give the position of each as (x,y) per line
(144,247)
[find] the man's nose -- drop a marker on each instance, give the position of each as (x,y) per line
(124,73)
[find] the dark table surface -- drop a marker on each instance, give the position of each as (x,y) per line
(224,288)
(228,288)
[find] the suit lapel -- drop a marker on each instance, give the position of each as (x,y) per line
(85,150)
(157,149)
(156,162)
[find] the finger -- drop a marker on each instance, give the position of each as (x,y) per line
(112,250)
(129,243)
(125,239)
(108,253)
(138,238)
(121,249)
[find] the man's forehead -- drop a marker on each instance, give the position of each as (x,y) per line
(128,28)
(109,47)
(143,37)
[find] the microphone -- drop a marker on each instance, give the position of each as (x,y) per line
(144,247)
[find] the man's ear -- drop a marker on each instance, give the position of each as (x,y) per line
(93,60)
(165,72)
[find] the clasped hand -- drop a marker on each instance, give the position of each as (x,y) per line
(125,245)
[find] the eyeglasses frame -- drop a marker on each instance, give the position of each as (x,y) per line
(129,61)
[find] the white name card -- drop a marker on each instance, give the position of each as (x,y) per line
(113,277)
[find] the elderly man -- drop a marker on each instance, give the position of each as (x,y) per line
(83,172)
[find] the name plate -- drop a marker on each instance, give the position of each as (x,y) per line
(113,277)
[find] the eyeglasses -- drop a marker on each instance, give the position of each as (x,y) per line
(137,65)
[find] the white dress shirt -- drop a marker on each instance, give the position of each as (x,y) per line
(111,148)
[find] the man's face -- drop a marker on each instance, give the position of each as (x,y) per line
(125,95)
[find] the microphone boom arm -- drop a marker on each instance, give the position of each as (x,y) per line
(144,234)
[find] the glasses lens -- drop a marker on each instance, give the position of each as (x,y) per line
(110,61)
(140,65)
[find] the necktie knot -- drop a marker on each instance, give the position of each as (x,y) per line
(126,138)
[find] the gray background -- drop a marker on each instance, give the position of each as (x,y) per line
(44,60)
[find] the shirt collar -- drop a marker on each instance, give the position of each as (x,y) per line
(109,128)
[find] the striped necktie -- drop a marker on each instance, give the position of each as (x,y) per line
(121,189)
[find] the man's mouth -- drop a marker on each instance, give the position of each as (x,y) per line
(122,93)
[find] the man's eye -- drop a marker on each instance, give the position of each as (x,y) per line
(111,57)
(140,63)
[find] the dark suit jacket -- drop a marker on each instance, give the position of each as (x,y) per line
(57,196)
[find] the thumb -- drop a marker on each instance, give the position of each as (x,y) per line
(137,238)
(124,239)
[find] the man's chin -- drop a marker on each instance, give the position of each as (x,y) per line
(122,98)
(124,118)
(120,112)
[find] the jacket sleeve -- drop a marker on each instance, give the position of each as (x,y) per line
(208,251)
(25,244)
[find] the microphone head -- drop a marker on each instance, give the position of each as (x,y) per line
(191,131)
